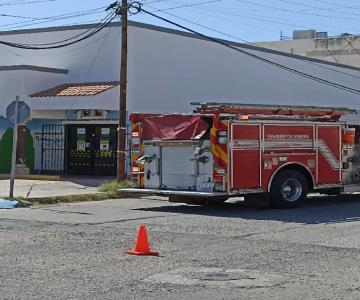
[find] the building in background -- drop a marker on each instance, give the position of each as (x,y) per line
(343,49)
(73,92)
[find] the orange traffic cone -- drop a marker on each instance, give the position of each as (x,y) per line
(142,246)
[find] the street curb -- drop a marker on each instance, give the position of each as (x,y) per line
(32,177)
(71,198)
(99,196)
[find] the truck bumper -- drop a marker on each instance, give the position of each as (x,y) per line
(173,193)
(352,188)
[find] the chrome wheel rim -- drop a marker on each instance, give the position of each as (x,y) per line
(291,189)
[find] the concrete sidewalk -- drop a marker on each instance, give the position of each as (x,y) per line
(46,188)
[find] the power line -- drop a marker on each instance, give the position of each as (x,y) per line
(55,18)
(203,26)
(56,45)
(331,69)
(100,23)
(223,43)
(262,19)
(318,7)
(156,1)
(226,13)
(205,11)
(296,11)
(231,12)
(19,17)
(338,5)
(52,20)
(14,3)
(187,5)
(255,45)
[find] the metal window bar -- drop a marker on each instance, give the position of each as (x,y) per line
(52,144)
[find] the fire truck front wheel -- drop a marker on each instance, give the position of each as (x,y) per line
(288,189)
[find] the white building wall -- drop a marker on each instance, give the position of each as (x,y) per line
(23,83)
(166,71)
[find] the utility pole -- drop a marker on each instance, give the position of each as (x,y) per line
(121,157)
(14,146)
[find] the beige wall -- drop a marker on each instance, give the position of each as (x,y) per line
(344,50)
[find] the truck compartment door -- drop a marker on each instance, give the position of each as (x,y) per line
(328,154)
(178,166)
(245,156)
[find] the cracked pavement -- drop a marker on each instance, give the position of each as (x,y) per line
(229,251)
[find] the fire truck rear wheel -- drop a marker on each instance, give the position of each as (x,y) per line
(288,189)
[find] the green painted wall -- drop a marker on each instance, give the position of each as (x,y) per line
(5,151)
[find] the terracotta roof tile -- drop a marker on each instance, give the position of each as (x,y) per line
(77,89)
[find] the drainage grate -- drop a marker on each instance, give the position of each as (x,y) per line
(219,276)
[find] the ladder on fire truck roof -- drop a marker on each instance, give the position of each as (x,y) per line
(255,111)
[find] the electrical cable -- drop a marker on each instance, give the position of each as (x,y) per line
(206,27)
(104,20)
(56,17)
(318,7)
(280,21)
(34,47)
(53,20)
(156,1)
(19,17)
(255,45)
(338,5)
(227,13)
(296,11)
(188,5)
(270,62)
(14,3)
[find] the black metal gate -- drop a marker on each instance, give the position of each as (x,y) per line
(91,149)
(52,148)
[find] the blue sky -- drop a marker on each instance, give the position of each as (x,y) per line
(250,20)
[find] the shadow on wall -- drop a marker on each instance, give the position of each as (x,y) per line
(6,139)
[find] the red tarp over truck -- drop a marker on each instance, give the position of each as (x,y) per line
(173,127)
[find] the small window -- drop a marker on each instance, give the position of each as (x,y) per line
(85,113)
(98,113)
(92,114)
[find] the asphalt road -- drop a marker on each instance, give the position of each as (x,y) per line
(227,251)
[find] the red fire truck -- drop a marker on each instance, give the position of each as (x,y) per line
(229,150)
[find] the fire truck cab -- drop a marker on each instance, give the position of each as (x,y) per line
(229,150)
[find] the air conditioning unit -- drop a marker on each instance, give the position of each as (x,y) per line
(321,35)
(304,34)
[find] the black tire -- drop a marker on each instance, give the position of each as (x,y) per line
(288,189)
